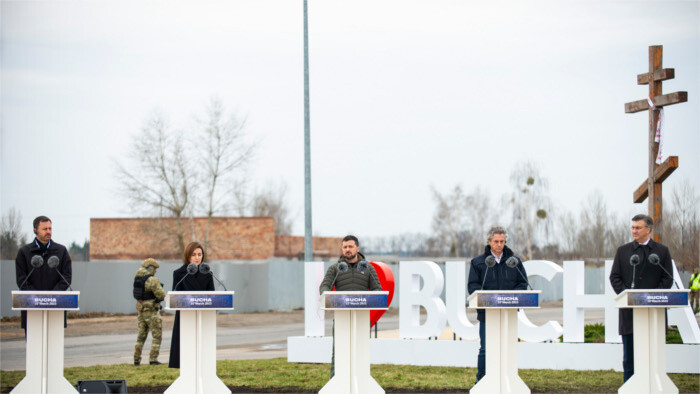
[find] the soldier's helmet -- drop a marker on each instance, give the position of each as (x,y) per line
(149,262)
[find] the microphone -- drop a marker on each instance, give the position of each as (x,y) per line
(205,269)
(191,270)
(634,261)
(36,262)
(655,260)
(490,262)
(364,265)
(512,262)
(53,263)
(342,267)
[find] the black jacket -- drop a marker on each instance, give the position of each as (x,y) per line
(352,279)
(646,275)
(499,277)
(196,282)
(43,278)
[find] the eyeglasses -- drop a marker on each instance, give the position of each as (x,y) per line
(638,227)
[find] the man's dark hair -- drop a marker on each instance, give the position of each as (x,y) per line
(40,219)
(648,221)
(351,238)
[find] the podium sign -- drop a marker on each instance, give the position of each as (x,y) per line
(180,300)
(45,341)
(44,300)
(351,309)
(501,307)
(353,300)
(198,340)
(649,328)
(505,299)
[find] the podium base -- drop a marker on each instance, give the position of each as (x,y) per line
(508,384)
(657,384)
(208,384)
(360,386)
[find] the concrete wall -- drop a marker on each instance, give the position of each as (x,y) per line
(260,285)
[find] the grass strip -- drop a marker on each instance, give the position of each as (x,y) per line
(278,375)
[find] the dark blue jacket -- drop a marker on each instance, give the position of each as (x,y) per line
(499,277)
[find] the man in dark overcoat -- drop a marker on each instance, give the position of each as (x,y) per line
(626,273)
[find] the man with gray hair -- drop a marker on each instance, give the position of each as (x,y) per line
(498,277)
(642,274)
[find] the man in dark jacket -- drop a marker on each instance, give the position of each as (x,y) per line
(350,273)
(646,276)
(498,277)
(43,278)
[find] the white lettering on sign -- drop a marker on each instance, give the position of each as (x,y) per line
(45,301)
(355,301)
(200,301)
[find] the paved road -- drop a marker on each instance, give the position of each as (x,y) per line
(233,342)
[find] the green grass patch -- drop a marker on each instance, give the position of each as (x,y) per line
(595,333)
(278,375)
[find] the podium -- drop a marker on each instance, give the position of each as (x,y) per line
(351,310)
(198,340)
(649,328)
(502,337)
(45,314)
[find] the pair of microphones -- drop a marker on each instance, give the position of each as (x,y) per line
(203,268)
(511,262)
(37,261)
(653,259)
(362,266)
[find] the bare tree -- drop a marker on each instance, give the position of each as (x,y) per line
(530,206)
(224,153)
(272,201)
(449,219)
(11,235)
(157,178)
(683,226)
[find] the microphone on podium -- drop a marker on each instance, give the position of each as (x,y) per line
(205,269)
(36,262)
(363,266)
(655,260)
(634,261)
(342,267)
(191,270)
(53,263)
(512,262)
(490,262)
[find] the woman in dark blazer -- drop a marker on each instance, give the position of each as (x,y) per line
(194,253)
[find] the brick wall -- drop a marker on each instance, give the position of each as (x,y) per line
(138,238)
(293,246)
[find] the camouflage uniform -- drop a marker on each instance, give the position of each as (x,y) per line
(149,313)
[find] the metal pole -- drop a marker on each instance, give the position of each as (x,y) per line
(308,245)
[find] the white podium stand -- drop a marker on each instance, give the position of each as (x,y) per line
(351,310)
(502,338)
(650,337)
(198,340)
(45,311)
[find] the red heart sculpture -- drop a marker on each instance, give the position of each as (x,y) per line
(386,279)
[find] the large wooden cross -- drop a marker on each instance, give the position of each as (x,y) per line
(657,173)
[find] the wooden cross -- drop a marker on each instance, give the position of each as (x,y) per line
(657,173)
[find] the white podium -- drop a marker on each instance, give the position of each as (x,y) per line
(351,310)
(45,313)
(649,307)
(502,337)
(198,340)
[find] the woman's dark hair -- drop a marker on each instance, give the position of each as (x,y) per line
(191,247)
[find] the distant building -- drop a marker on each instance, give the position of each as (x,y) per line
(230,238)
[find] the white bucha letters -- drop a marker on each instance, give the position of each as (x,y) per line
(413,296)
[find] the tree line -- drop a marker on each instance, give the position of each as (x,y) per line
(537,229)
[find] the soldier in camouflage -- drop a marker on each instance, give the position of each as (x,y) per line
(148,293)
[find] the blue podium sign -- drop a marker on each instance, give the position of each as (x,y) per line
(657,299)
(508,300)
(356,301)
(44,300)
(205,300)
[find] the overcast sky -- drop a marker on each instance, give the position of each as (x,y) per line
(404,95)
